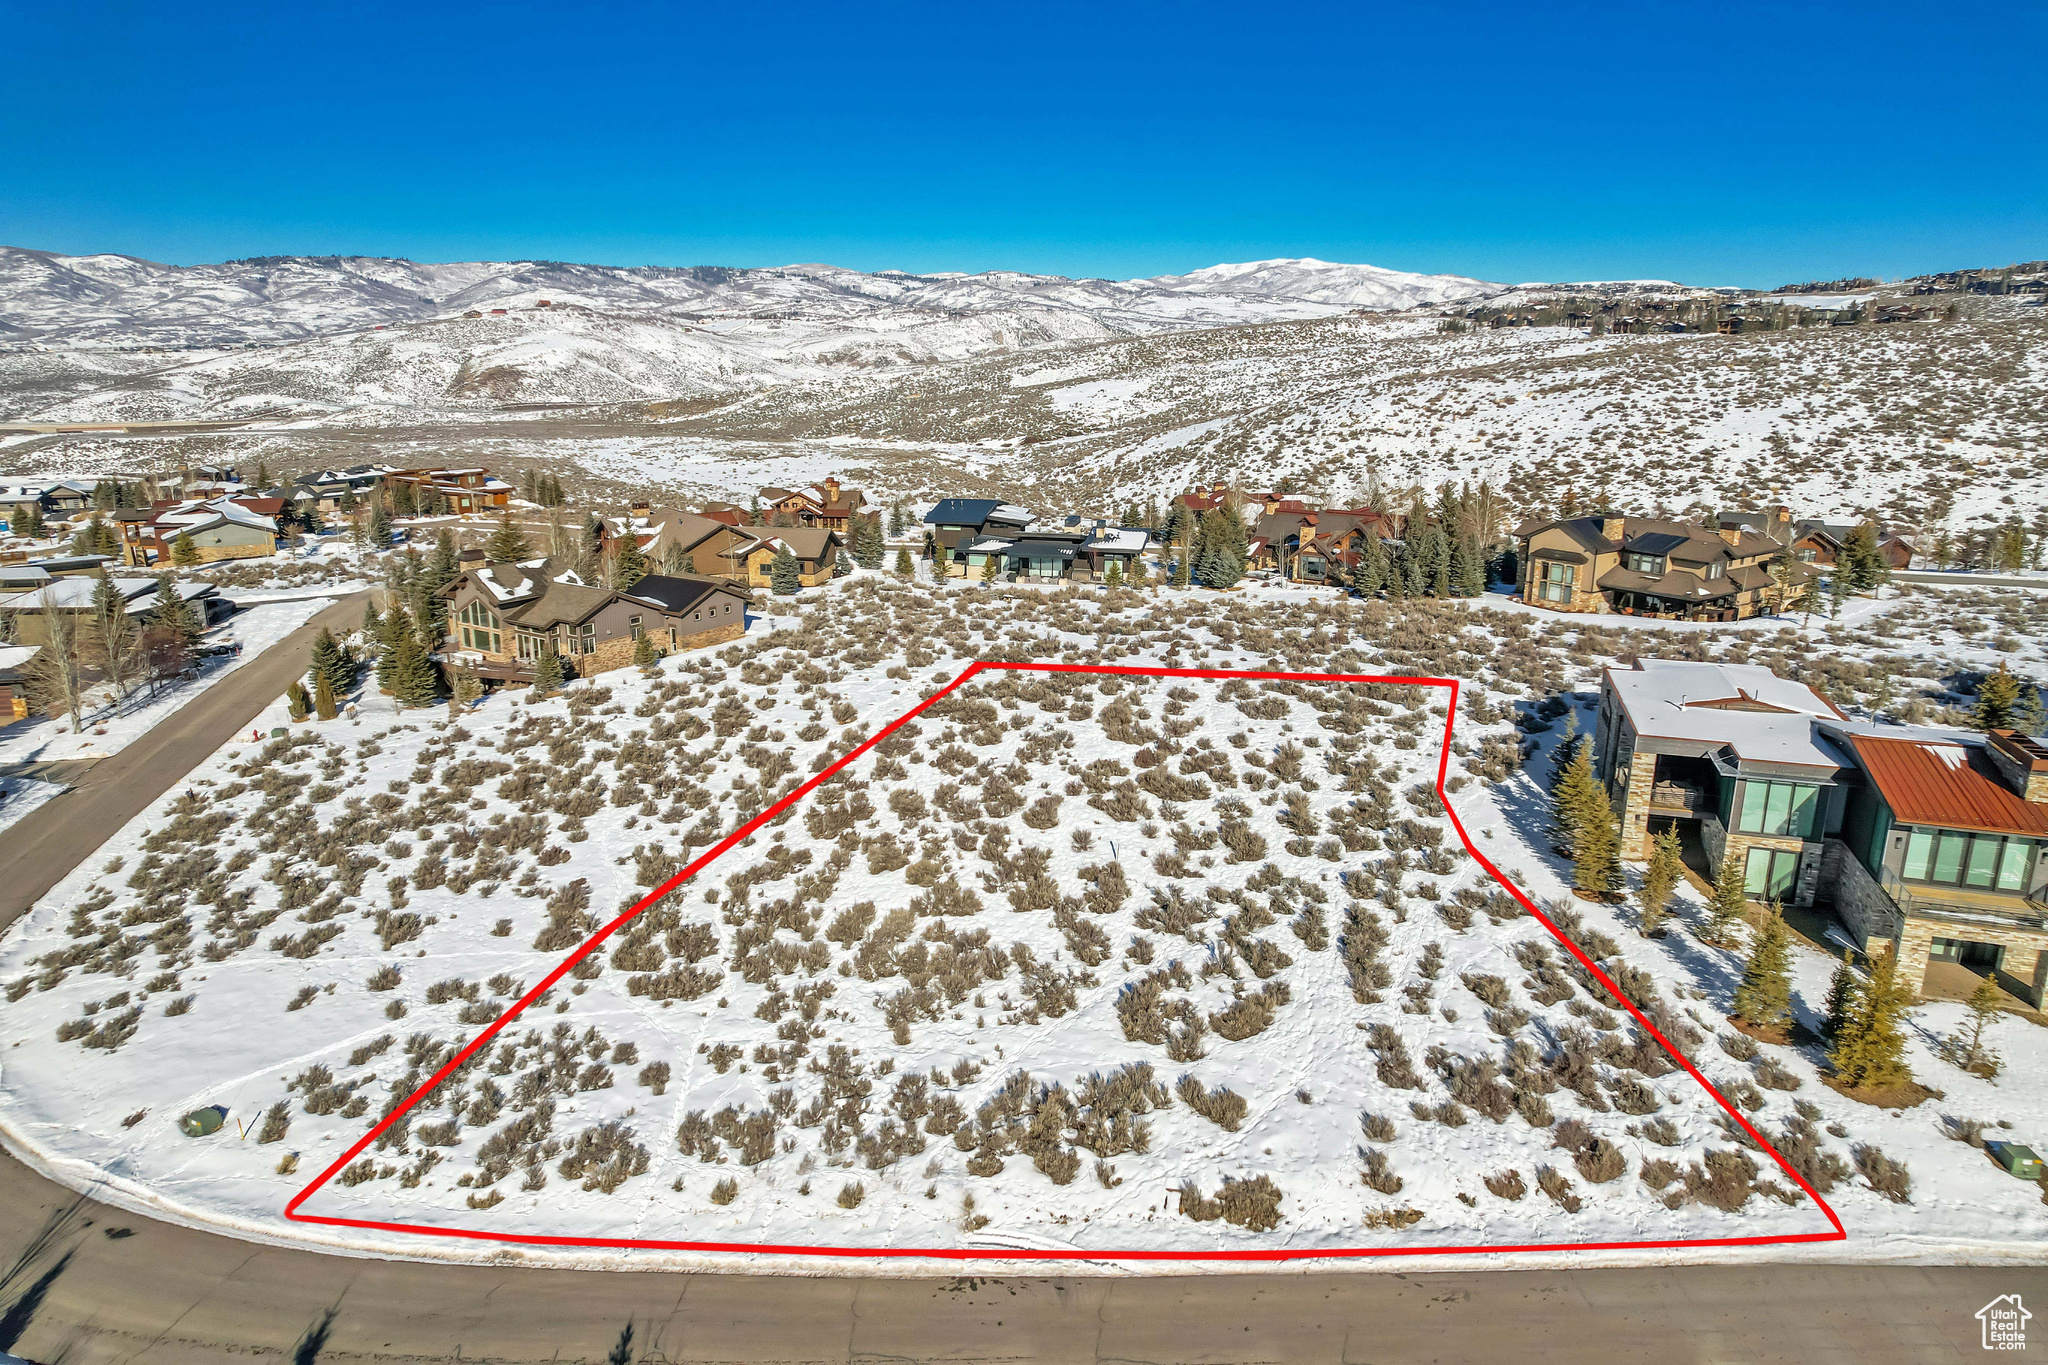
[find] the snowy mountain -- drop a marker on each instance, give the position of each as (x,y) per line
(1310,280)
(112,300)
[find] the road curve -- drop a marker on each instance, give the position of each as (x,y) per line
(87,1283)
(41,849)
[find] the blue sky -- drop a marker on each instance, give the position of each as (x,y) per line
(1708,142)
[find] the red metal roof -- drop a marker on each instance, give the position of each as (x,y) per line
(1923,787)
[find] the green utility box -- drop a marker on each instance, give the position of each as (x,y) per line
(203,1122)
(2019,1160)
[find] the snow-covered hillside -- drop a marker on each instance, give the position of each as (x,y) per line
(122,301)
(1079,963)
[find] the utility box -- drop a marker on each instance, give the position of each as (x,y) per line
(2018,1160)
(203,1122)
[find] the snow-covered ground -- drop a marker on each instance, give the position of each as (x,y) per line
(938,977)
(20,795)
(111,726)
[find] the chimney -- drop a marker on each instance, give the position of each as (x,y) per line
(1612,528)
(2021,761)
(832,486)
(641,509)
(1732,534)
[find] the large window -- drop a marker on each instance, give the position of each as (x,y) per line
(1554,581)
(1651,566)
(1044,568)
(480,629)
(1781,808)
(1951,857)
(532,645)
(1769,874)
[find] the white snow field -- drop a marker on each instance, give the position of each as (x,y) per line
(1134,965)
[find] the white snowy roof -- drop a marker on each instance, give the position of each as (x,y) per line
(1120,539)
(14,656)
(1762,717)
(73,592)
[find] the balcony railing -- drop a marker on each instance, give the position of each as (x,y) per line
(1962,902)
(1678,796)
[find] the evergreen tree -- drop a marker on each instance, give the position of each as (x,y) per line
(296,701)
(1572,797)
(170,612)
(444,565)
(1661,878)
(1838,590)
(373,623)
(1869,1050)
(1370,580)
(784,575)
(644,653)
(2026,716)
(903,564)
(842,561)
(1137,578)
(1998,701)
(629,566)
(991,567)
(1843,992)
(547,671)
(30,523)
(412,678)
(508,544)
(1861,561)
(323,699)
(1966,1047)
(1179,574)
(1764,999)
(1809,600)
(1597,868)
(593,536)
(1113,576)
(868,546)
(331,663)
(1729,903)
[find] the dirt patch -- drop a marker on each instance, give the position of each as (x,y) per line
(1903,1096)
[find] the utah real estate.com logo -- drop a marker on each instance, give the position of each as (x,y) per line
(2005,1323)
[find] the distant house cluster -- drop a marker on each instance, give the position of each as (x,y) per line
(1931,840)
(986,538)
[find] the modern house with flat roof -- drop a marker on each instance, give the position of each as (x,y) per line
(1934,841)
(953,521)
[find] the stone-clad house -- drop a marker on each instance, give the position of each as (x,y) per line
(751,560)
(1932,840)
(503,617)
(827,504)
(1644,566)
(660,530)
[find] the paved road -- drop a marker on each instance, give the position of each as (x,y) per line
(43,847)
(1966,580)
(164,1295)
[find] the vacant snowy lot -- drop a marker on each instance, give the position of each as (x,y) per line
(1071,963)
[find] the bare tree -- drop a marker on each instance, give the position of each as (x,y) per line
(57,673)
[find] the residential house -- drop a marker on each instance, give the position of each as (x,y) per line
(1727,754)
(955,520)
(750,562)
(1775,522)
(28,613)
(14,662)
(1313,547)
(1056,553)
(1822,543)
(1932,841)
(219,528)
(1645,566)
(31,574)
(502,618)
(731,513)
(326,488)
(1944,852)
(826,504)
(706,543)
(466,491)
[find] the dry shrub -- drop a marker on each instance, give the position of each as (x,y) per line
(1253,1204)
(1378,1174)
(1888,1177)
(725,1191)
(1221,1106)
(1506,1185)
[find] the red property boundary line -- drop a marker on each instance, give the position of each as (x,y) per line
(292,1213)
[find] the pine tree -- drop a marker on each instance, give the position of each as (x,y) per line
(173,614)
(373,624)
(1729,903)
(1998,700)
(629,566)
(991,567)
(323,699)
(903,565)
(330,663)
(784,575)
(412,678)
(184,553)
(644,652)
(1870,1046)
(1137,578)
(1179,574)
(547,671)
(1661,878)
(1571,800)
(31,523)
(1113,576)
(1596,873)
(1764,999)
(508,543)
(1861,561)
(1966,1046)
(1843,992)
(1809,600)
(379,526)
(296,702)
